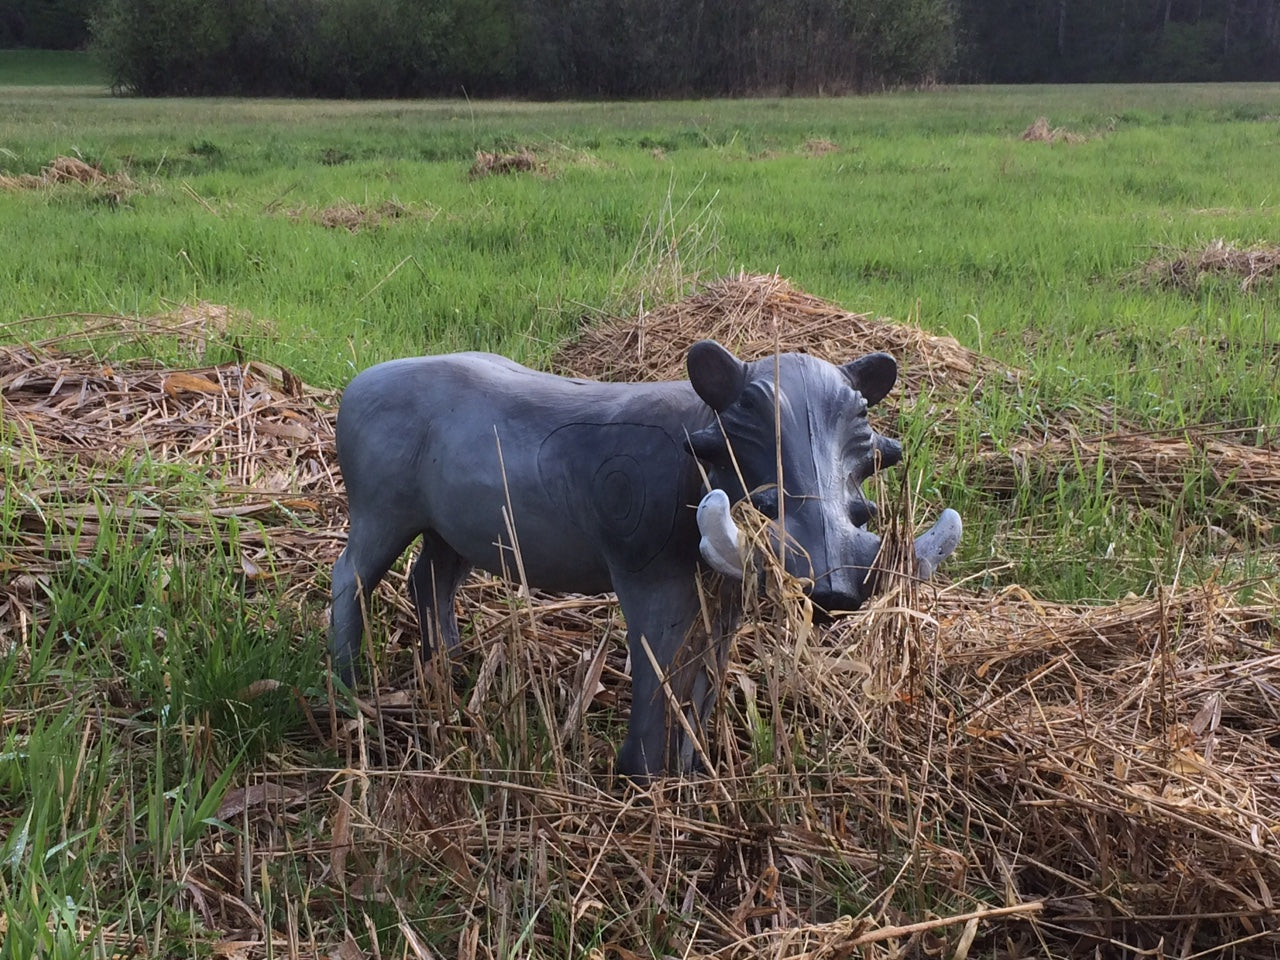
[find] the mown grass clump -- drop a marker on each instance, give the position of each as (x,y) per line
(1187,270)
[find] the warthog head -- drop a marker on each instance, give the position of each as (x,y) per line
(793,435)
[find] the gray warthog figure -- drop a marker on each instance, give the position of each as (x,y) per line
(589,487)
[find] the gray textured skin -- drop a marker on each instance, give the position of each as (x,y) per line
(601,484)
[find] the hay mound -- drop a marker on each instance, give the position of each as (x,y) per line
(488,164)
(1041,132)
(1119,762)
(752,315)
(196,325)
(819,147)
(1187,269)
(71,170)
(354,217)
(1111,772)
(67,170)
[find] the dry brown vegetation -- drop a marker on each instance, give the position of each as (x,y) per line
(819,147)
(1188,269)
(69,170)
(949,772)
(354,217)
(520,161)
(260,438)
(1152,470)
(1041,132)
(752,315)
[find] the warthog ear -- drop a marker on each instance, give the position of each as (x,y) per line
(716,374)
(873,376)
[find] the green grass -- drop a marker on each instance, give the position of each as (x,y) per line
(932,200)
(933,209)
(49,68)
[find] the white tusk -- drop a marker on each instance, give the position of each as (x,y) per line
(938,543)
(719,545)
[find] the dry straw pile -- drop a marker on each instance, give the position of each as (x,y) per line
(65,170)
(354,216)
(944,774)
(819,147)
(755,314)
(1041,132)
(1188,269)
(1154,471)
(520,161)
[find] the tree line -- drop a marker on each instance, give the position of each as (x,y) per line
(644,48)
(1021,41)
(548,48)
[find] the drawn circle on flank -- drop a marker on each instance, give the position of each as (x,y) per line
(618,495)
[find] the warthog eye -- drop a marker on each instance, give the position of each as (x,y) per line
(758,397)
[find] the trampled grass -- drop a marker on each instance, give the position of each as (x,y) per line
(136,730)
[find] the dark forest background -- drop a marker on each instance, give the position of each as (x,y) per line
(645,48)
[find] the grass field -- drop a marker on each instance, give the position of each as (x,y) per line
(49,68)
(341,234)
